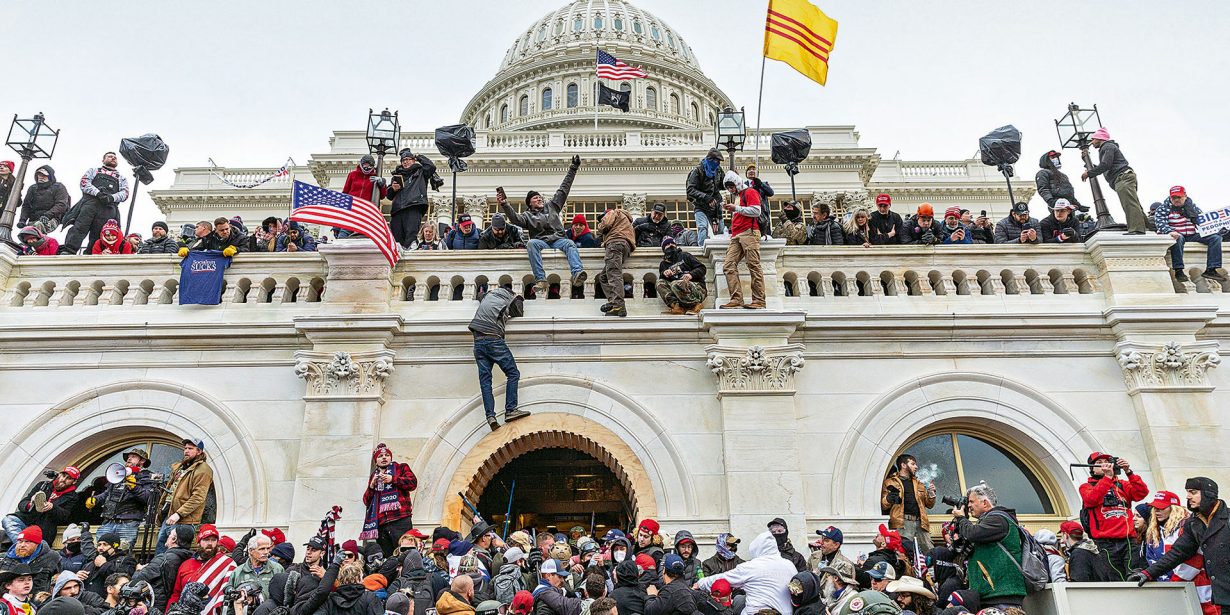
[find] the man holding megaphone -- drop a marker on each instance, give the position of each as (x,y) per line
(130,491)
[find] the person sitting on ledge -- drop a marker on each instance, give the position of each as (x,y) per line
(541,220)
(1176,216)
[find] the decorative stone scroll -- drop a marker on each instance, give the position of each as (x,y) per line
(756,369)
(840,202)
(1169,366)
(343,375)
(634,204)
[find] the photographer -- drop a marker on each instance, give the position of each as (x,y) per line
(243,599)
(122,505)
(135,598)
(48,504)
(905,500)
(1107,508)
(993,566)
(408,191)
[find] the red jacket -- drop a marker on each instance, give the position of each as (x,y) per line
(404,481)
(360,184)
(1111,521)
(739,222)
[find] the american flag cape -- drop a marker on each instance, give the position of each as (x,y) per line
(314,205)
(611,68)
(214,574)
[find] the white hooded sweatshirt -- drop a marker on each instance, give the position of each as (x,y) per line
(765,578)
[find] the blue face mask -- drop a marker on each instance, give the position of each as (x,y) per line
(710,166)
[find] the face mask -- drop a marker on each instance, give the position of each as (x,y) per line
(73,547)
(1055,163)
(620,555)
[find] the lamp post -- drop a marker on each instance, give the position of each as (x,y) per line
(731,132)
(1074,130)
(31,139)
(383,136)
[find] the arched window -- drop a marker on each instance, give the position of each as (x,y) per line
(625,87)
(655,33)
(675,104)
(712,120)
(525,43)
(524,105)
(162,449)
(578,24)
(542,33)
(618,22)
(487,121)
(956,459)
(670,38)
(598,21)
(546,99)
(651,98)
(637,27)
(573,95)
(695,112)
(504,113)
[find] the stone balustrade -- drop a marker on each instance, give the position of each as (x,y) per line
(798,277)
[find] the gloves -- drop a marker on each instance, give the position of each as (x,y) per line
(338,559)
(183,252)
(534,559)
(130,481)
(249,535)
(105,198)
(229,251)
(85,527)
(576,161)
(928,237)
(379,182)
(1139,578)
(91,502)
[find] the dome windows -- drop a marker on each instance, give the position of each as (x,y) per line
(578,24)
(523,106)
(599,22)
(670,38)
(695,112)
(542,33)
(504,114)
(651,98)
(675,104)
(573,95)
(637,27)
(655,33)
(559,27)
(547,96)
(618,22)
(487,121)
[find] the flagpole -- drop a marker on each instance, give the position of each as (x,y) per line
(759,102)
(597,85)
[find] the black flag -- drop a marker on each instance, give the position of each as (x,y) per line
(614,98)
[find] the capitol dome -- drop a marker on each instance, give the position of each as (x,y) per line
(547,77)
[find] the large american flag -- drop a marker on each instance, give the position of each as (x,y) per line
(611,68)
(214,574)
(315,205)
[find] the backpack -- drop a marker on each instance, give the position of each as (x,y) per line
(507,586)
(1033,565)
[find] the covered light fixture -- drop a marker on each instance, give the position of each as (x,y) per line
(30,138)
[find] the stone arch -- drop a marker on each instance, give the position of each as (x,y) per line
(575,408)
(1049,433)
(78,423)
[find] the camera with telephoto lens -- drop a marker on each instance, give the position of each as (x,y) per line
(248,592)
(50,474)
(955,502)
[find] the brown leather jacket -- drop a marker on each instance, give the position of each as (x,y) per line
(896,512)
(617,224)
(188,499)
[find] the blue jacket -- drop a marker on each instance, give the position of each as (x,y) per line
(306,242)
(969,234)
(1161,214)
(456,240)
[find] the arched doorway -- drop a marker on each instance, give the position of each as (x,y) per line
(556,488)
(563,479)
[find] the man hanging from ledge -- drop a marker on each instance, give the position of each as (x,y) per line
(494,310)
(542,222)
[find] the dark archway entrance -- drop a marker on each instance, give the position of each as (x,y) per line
(557,487)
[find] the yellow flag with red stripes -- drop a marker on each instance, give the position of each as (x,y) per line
(800,34)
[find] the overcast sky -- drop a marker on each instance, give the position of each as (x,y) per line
(250,83)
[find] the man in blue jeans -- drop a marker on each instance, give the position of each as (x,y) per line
(494,310)
(542,223)
(1176,216)
(704,187)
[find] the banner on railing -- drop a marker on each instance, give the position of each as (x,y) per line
(1212,222)
(283,171)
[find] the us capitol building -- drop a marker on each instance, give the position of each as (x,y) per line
(1001,363)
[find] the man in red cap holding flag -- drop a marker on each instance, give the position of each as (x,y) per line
(1107,509)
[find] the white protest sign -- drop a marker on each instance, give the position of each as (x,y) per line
(1212,222)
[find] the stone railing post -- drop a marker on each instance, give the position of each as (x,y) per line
(770,251)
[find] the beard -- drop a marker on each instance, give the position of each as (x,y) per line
(207,554)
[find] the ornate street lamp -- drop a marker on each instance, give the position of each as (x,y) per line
(731,132)
(1074,130)
(383,136)
(31,139)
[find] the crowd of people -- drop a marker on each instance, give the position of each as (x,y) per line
(984,562)
(722,202)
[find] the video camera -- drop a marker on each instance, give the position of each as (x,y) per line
(1114,462)
(249,593)
(955,502)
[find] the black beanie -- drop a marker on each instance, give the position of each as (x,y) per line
(63,606)
(162,224)
(184,536)
(530,195)
(1208,491)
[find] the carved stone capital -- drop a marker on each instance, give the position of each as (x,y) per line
(842,201)
(343,375)
(755,370)
(1148,368)
(634,204)
(476,206)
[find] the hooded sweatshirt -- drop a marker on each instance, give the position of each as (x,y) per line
(63,579)
(787,550)
(45,199)
(765,579)
(111,241)
(805,594)
(45,246)
(628,595)
(1053,183)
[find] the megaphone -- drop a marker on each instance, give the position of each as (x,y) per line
(116,473)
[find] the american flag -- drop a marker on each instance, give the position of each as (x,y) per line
(214,574)
(315,205)
(611,68)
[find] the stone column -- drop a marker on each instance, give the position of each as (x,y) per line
(755,365)
(344,373)
(634,204)
(770,250)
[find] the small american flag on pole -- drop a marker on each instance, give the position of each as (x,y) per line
(315,205)
(611,68)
